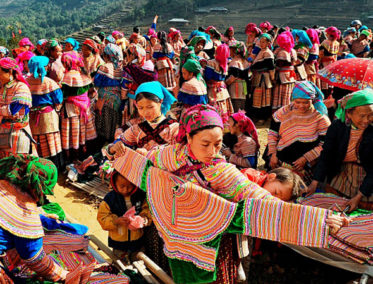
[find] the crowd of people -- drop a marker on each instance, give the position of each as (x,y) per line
(189,107)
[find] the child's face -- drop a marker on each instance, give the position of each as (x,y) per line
(149,109)
(124,186)
(277,189)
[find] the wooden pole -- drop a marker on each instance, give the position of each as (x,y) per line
(159,272)
(140,266)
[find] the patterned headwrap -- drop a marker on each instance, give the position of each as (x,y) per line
(117,33)
(41,42)
(252,28)
(309,91)
(96,39)
(246,125)
(212,30)
(114,52)
(228,30)
(36,176)
(74,43)
(4,50)
(193,66)
(197,117)
(334,32)
(161,92)
(37,66)
(26,42)
(366,33)
(195,40)
(199,33)
(72,60)
(350,30)
(303,38)
(10,64)
(173,34)
(314,36)
(266,25)
(359,98)
(91,44)
(286,41)
(187,52)
(110,39)
(152,33)
(267,36)
(24,56)
(222,55)
(239,48)
(139,51)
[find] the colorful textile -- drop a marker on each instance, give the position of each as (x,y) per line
(222,55)
(282,95)
(359,98)
(266,36)
(23,56)
(286,41)
(92,44)
(115,53)
(117,33)
(110,39)
(11,64)
(334,32)
(197,117)
(266,25)
(313,35)
(33,175)
(161,92)
(193,92)
(26,42)
(309,91)
(4,51)
(76,79)
(37,66)
(246,125)
(72,61)
(19,214)
(252,28)
(303,38)
(74,43)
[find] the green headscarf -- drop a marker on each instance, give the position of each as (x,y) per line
(267,36)
(196,40)
(187,52)
(36,176)
(359,98)
(193,66)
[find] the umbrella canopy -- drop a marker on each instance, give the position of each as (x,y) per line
(352,74)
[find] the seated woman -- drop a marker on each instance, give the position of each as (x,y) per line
(153,101)
(298,130)
(244,153)
(346,161)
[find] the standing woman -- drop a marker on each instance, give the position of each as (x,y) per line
(91,57)
(15,104)
(176,42)
(302,46)
(163,55)
(53,51)
(77,122)
(264,74)
(229,37)
(215,73)
(312,65)
(252,41)
(44,120)
(285,57)
(238,74)
(328,54)
(108,80)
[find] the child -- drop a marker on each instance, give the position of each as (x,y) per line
(125,232)
(280,182)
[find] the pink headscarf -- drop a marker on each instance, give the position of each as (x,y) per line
(222,55)
(173,34)
(197,117)
(334,32)
(246,125)
(10,64)
(72,60)
(252,28)
(266,25)
(152,33)
(26,41)
(313,35)
(26,55)
(115,33)
(286,41)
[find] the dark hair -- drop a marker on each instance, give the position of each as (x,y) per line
(136,29)
(148,96)
(285,175)
(281,30)
(162,36)
(5,70)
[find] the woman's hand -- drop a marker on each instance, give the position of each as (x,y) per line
(336,222)
(299,164)
(312,187)
(353,202)
(118,149)
(227,152)
(274,161)
(123,221)
(142,151)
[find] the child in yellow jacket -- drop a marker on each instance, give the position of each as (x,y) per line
(125,233)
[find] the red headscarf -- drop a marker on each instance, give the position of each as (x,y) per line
(252,28)
(334,32)
(26,55)
(173,34)
(26,42)
(10,64)
(92,44)
(266,25)
(222,55)
(286,41)
(246,125)
(72,60)
(313,35)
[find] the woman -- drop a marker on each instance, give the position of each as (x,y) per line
(263,76)
(298,130)
(253,33)
(71,44)
(229,37)
(22,61)
(53,51)
(15,104)
(77,122)
(285,57)
(360,46)
(349,35)
(238,75)
(215,74)
(195,163)
(151,40)
(311,64)
(26,44)
(347,155)
(163,56)
(265,27)
(44,120)
(4,52)
(176,42)
(40,45)
(199,42)
(108,80)
(302,46)
(91,57)
(329,49)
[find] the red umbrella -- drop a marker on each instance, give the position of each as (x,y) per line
(352,74)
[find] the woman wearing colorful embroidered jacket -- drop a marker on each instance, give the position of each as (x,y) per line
(311,64)
(302,46)
(47,97)
(15,103)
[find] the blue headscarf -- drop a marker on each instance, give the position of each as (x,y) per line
(362,28)
(157,89)
(73,42)
(303,38)
(41,42)
(110,39)
(37,66)
(309,91)
(4,50)
(199,33)
(114,52)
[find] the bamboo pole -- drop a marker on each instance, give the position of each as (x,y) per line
(159,272)
(140,266)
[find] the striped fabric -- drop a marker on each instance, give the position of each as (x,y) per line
(262,96)
(62,241)
(16,92)
(18,212)
(294,127)
(282,95)
(355,136)
(92,63)
(40,88)
(109,71)
(74,78)
(286,222)
(166,76)
(49,145)
(194,87)
(322,200)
